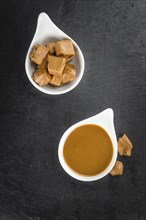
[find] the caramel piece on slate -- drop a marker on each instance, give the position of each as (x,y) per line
(51,47)
(41,76)
(56,80)
(65,48)
(56,65)
(124,146)
(38,53)
(117,169)
(69,73)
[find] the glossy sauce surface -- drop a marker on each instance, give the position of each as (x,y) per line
(88,150)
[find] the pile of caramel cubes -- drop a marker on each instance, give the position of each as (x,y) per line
(52,65)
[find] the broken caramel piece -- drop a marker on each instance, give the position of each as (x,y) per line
(68,58)
(64,48)
(38,53)
(124,146)
(69,73)
(43,64)
(117,169)
(56,65)
(41,76)
(51,47)
(56,80)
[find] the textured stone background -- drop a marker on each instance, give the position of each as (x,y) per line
(33,186)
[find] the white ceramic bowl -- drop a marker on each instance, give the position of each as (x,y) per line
(103,119)
(47,31)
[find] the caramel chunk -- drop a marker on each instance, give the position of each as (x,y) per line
(117,169)
(41,76)
(65,48)
(51,47)
(68,58)
(69,73)
(56,80)
(38,53)
(43,64)
(56,65)
(124,146)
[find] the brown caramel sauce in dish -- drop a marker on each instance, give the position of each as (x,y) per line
(88,150)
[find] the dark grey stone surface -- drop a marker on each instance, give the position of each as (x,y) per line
(33,186)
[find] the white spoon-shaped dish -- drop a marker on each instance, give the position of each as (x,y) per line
(103,119)
(47,31)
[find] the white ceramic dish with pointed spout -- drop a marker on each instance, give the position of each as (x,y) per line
(47,31)
(103,119)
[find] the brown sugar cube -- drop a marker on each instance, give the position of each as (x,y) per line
(124,146)
(69,73)
(117,169)
(56,80)
(41,77)
(56,65)
(38,53)
(64,48)
(51,47)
